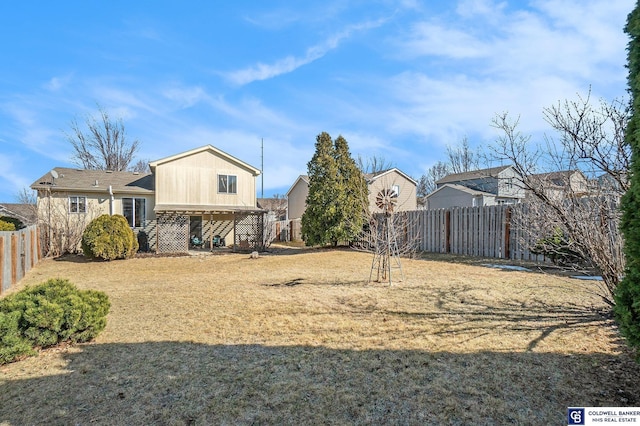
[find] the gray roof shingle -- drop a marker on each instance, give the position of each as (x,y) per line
(475,174)
(77,180)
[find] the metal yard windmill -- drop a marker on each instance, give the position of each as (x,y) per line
(386,255)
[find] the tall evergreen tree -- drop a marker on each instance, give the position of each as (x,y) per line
(354,200)
(627,295)
(321,213)
(337,197)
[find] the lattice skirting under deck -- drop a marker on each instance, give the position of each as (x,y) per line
(173,233)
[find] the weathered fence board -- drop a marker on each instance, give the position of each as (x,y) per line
(19,252)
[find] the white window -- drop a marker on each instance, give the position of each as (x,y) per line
(134,210)
(77,204)
(396,190)
(509,183)
(227,184)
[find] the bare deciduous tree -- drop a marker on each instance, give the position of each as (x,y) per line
(427,182)
(461,158)
(27,196)
(141,166)
(567,213)
(374,164)
(103,145)
(62,231)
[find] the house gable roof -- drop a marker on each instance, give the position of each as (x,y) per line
(26,213)
(461,188)
(558,178)
(371,177)
(207,148)
(303,178)
(95,181)
(471,175)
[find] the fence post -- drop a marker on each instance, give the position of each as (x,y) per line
(23,254)
(32,248)
(14,259)
(447,231)
(507,233)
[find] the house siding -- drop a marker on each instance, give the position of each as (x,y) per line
(407,198)
(448,197)
(297,199)
(193,180)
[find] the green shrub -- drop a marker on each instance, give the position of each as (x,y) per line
(108,238)
(16,222)
(627,307)
(12,344)
(7,226)
(558,248)
(48,314)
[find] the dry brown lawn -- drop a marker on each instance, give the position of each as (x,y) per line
(299,337)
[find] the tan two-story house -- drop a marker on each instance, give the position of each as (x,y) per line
(399,183)
(203,194)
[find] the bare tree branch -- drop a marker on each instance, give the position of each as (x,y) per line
(573,208)
(103,145)
(374,164)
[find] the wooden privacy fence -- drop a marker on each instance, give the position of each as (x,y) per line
(470,231)
(19,252)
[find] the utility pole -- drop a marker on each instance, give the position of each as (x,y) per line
(262,167)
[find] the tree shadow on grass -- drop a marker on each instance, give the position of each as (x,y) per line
(191,383)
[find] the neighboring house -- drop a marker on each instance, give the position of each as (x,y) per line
(203,192)
(486,187)
(297,197)
(609,184)
(453,195)
(25,213)
(392,179)
(562,184)
(402,185)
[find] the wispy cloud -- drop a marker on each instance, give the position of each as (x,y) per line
(57,82)
(526,60)
(290,63)
(274,20)
(185,97)
(429,38)
(10,175)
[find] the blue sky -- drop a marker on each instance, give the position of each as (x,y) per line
(399,79)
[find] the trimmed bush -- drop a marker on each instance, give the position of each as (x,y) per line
(108,238)
(48,314)
(7,226)
(16,222)
(12,344)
